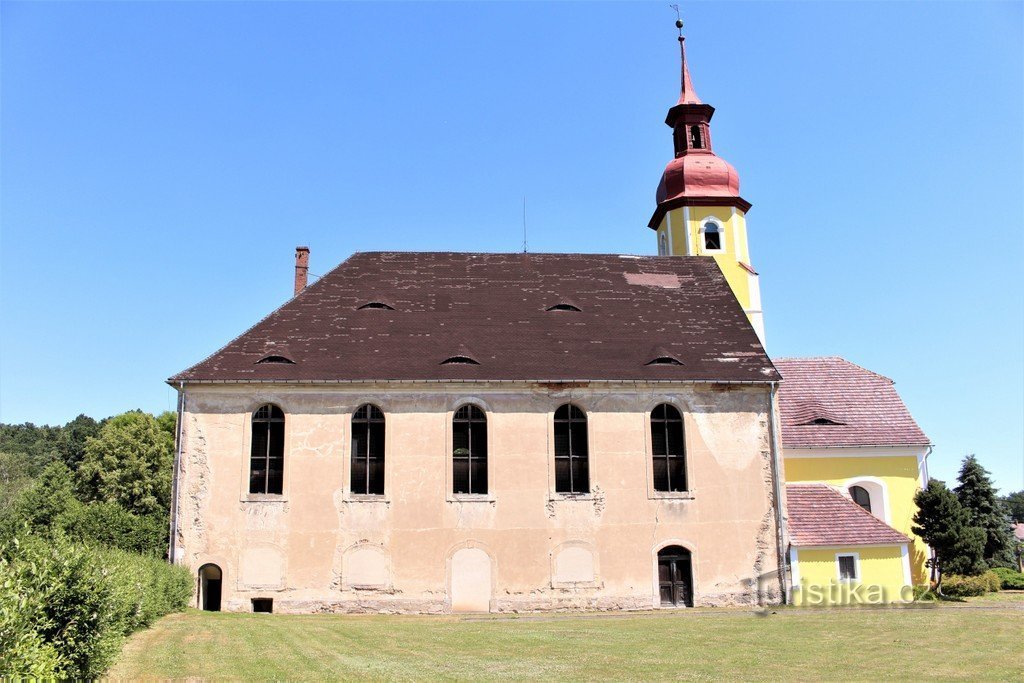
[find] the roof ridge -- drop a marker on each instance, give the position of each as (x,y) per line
(512,253)
(838,358)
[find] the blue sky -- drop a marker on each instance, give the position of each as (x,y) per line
(160,162)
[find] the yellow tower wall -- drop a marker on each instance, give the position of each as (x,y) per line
(680,235)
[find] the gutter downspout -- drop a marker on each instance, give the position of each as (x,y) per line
(178,445)
(925,478)
(780,520)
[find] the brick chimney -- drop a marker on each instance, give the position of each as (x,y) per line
(301,268)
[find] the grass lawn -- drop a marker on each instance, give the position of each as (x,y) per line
(978,639)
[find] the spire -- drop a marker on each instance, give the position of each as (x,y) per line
(687,95)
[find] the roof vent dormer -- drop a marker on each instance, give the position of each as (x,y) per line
(375,305)
(459,360)
(665,360)
(275,358)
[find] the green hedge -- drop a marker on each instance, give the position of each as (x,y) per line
(1011,580)
(955,586)
(993,580)
(65,609)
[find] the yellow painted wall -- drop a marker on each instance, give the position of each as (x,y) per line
(685,240)
(880,580)
(901,477)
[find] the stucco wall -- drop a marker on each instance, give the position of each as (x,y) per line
(883,576)
(317,547)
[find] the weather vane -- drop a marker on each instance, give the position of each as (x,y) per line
(679,22)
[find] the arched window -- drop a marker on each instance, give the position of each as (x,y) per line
(266,460)
(368,450)
(662,245)
(668,449)
(712,236)
(675,576)
(469,450)
(861,497)
(572,470)
(696,139)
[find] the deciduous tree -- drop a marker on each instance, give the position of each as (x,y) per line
(129,462)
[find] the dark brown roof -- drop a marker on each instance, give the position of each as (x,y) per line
(831,402)
(819,515)
(492,308)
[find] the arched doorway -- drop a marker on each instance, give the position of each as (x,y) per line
(470,581)
(209,587)
(675,577)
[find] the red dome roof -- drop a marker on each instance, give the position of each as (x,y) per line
(698,175)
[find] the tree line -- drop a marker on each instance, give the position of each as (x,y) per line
(84,514)
(969,527)
(103,481)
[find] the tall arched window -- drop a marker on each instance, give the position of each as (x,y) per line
(368,450)
(469,450)
(712,236)
(668,449)
(266,459)
(662,245)
(861,497)
(572,469)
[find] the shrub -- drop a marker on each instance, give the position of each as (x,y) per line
(1010,579)
(923,593)
(955,586)
(993,580)
(65,609)
(109,524)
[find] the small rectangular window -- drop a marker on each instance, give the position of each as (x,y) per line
(264,605)
(847,567)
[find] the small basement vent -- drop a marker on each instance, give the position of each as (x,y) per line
(264,605)
(275,359)
(459,360)
(665,360)
(563,307)
(378,305)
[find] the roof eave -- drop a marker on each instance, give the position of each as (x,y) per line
(178,382)
(674,203)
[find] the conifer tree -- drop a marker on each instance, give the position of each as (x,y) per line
(945,526)
(977,495)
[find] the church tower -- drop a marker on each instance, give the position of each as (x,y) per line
(700,211)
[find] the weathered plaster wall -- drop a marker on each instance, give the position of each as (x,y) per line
(318,547)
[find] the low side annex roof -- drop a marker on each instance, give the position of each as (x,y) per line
(821,516)
(494,309)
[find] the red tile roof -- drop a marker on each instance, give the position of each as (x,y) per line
(831,402)
(493,307)
(819,515)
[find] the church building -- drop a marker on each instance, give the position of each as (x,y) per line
(446,432)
